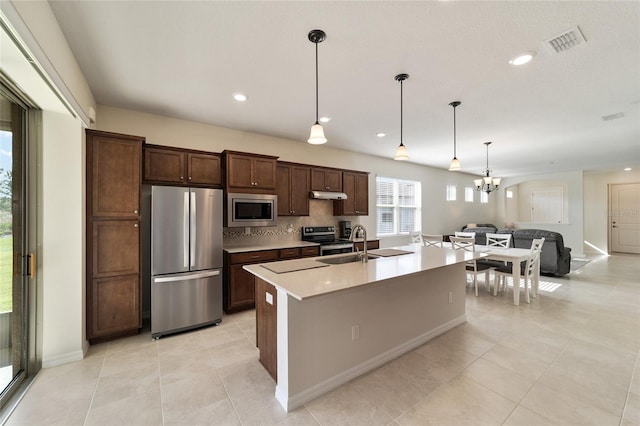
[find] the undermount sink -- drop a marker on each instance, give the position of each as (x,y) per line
(345,259)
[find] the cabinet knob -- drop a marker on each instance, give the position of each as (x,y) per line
(135,212)
(181,177)
(189,177)
(135,225)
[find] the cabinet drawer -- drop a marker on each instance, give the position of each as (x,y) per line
(288,253)
(253,256)
(310,251)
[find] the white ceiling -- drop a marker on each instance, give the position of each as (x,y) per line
(186,59)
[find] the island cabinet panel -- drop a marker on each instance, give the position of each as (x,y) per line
(165,165)
(114,175)
(356,186)
(250,173)
(324,179)
(292,189)
(267,326)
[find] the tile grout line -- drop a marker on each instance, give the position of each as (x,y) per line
(95,388)
(626,401)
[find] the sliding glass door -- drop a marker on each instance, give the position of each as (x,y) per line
(15,261)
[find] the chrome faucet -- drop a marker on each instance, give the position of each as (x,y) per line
(364,232)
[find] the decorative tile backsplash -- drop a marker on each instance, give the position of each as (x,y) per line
(289,227)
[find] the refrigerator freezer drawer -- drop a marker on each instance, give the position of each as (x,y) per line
(183,301)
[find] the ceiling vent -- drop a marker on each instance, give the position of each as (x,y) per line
(613,116)
(565,41)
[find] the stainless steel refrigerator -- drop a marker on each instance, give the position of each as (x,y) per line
(186,258)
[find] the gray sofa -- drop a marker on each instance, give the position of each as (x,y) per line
(481,230)
(555,258)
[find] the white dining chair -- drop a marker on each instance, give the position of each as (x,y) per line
(416,237)
(465,234)
(431,240)
(530,272)
(496,241)
(472,267)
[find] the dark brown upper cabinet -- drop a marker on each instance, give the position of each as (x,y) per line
(250,173)
(356,186)
(165,165)
(325,179)
(292,189)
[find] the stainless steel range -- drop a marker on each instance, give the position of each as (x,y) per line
(326,237)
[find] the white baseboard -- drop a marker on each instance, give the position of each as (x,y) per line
(63,358)
(291,402)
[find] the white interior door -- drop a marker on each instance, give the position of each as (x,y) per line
(624,217)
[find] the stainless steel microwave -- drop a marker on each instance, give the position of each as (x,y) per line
(251,210)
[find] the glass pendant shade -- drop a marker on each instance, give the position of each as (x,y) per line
(478,183)
(401,153)
(496,182)
(317,135)
(455,164)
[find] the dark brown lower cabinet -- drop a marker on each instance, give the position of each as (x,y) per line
(267,326)
(115,309)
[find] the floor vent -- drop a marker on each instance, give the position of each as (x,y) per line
(567,40)
(613,116)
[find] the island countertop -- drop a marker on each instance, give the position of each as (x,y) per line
(317,278)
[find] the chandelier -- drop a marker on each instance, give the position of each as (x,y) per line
(487,183)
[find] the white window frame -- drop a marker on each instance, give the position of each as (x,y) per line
(452,192)
(396,206)
(468,194)
(484,197)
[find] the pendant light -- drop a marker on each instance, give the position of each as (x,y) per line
(488,183)
(317,133)
(455,163)
(401,151)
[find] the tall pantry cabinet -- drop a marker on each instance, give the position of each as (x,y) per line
(114,174)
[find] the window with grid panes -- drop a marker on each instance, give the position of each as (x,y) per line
(397,206)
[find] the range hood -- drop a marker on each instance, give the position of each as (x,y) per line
(327,195)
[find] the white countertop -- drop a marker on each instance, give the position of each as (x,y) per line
(307,283)
(275,245)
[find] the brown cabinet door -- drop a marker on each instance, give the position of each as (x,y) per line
(292,190)
(299,191)
(115,175)
(241,291)
(333,180)
(267,326)
(164,165)
(239,171)
(326,179)
(264,173)
(283,190)
(204,169)
(361,194)
(356,186)
(310,251)
(115,306)
(116,247)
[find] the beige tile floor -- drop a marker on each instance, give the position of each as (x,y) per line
(568,358)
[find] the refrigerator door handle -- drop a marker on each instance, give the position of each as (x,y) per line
(185,233)
(192,221)
(186,277)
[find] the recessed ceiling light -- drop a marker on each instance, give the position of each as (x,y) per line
(325,119)
(240,97)
(522,58)
(381,134)
(627,169)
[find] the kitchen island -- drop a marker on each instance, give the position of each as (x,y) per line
(320,325)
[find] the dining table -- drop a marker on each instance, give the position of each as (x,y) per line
(515,256)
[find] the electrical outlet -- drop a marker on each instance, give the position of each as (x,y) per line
(355,332)
(450,297)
